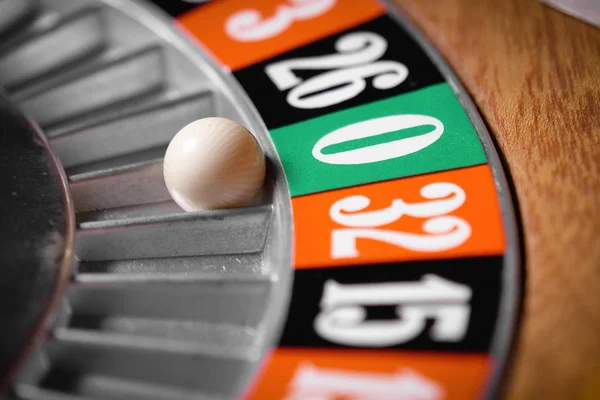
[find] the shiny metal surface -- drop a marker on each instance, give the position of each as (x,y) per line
(162,303)
(14,12)
(23,63)
(146,128)
(176,235)
(36,236)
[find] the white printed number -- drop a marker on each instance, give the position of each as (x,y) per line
(346,76)
(342,318)
(379,152)
(249,26)
(315,383)
(443,232)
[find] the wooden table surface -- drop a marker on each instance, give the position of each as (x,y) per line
(534,73)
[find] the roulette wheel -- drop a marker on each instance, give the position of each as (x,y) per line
(384,256)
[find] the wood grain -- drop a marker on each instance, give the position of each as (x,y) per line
(534,73)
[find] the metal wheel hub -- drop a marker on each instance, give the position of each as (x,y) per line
(160,303)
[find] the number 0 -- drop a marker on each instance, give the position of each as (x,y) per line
(378,152)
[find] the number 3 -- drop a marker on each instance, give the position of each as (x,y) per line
(248,26)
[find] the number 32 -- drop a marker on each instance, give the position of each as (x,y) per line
(442,231)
